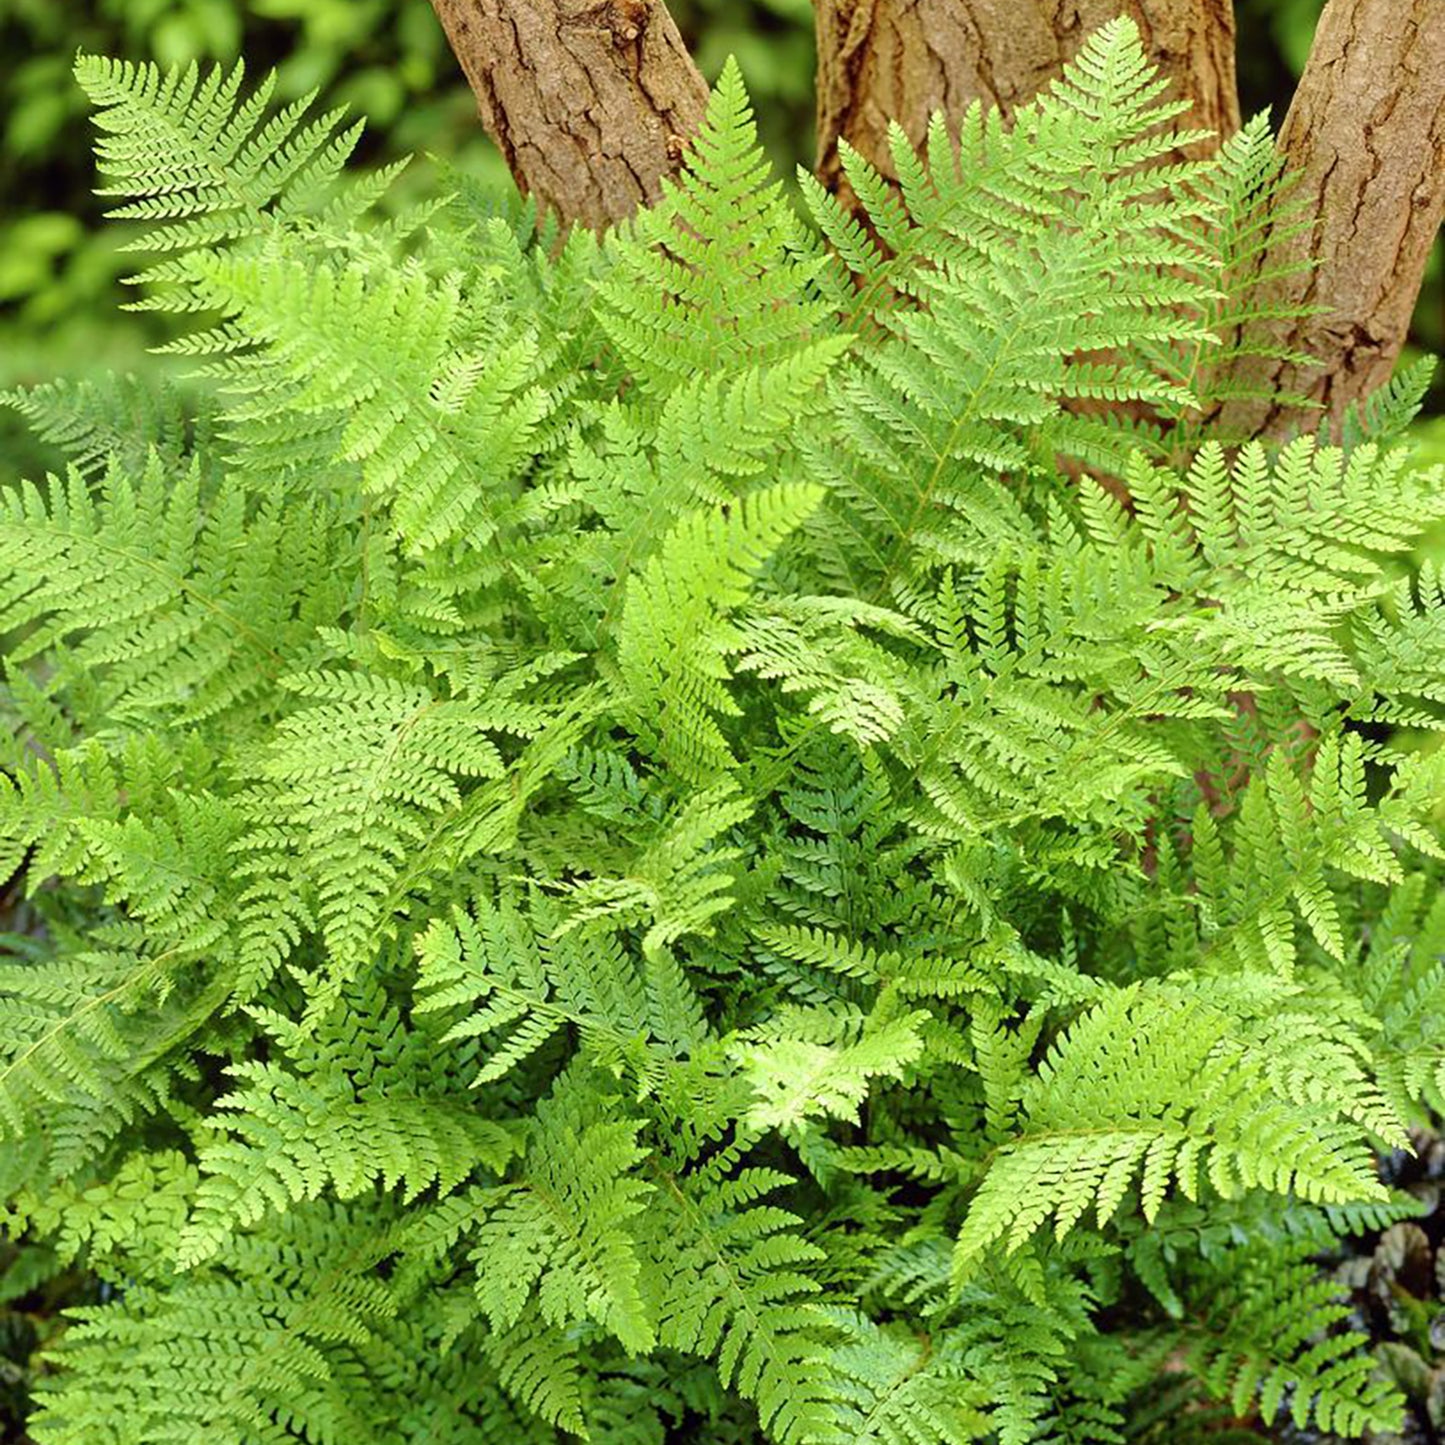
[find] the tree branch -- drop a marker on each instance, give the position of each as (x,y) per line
(904,59)
(590,101)
(1366,136)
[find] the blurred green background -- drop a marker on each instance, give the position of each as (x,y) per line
(388,61)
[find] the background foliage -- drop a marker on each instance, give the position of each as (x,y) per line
(384,59)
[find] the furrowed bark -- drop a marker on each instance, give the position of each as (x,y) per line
(1366,136)
(904,59)
(590,101)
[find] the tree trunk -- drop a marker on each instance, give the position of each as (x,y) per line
(590,101)
(1366,136)
(904,59)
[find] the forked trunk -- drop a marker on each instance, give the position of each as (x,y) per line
(592,103)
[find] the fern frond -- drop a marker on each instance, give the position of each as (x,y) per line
(89,1041)
(281,1336)
(566,1228)
(794,1078)
(163,599)
(731,1281)
(720,275)
(1250,230)
(675,633)
(206,169)
(290,1137)
(532,984)
(678,884)
(384,370)
(894,1387)
(120,419)
(1114,1106)
(353,778)
(1273,1340)
(1296,549)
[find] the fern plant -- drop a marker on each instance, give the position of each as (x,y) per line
(749,830)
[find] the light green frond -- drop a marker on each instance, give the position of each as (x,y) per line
(1292,847)
(795,1079)
(167,601)
(731,1282)
(204,167)
(116,1226)
(355,776)
(531,982)
(1290,551)
(720,275)
(87,1045)
(675,633)
(566,1229)
(282,1334)
(385,369)
(897,1389)
(1251,231)
(678,884)
(288,1138)
(1146,1091)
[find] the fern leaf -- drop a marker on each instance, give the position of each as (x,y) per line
(675,634)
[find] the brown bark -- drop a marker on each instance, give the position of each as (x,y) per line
(904,59)
(1366,136)
(590,101)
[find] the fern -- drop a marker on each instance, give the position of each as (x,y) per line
(902,1390)
(675,635)
(997,240)
(569,1218)
(203,166)
(754,829)
(293,1135)
(731,1282)
(1281,1345)
(720,275)
(350,812)
(380,371)
(1090,1136)
(199,596)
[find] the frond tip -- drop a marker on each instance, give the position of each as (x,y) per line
(203,166)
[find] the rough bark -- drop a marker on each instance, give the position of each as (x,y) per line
(1366,136)
(904,59)
(591,101)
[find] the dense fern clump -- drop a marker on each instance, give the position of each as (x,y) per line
(749,830)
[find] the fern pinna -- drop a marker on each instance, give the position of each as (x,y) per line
(746,830)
